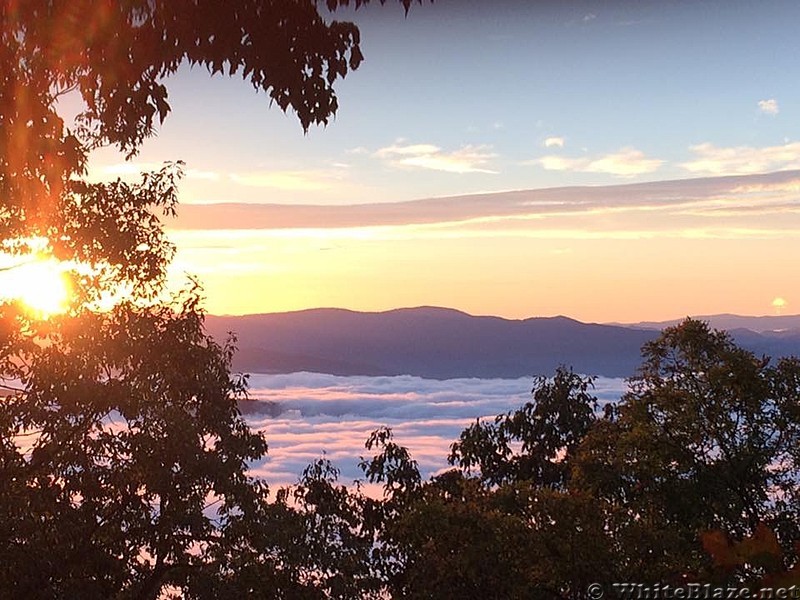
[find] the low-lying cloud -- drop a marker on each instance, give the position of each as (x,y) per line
(333,416)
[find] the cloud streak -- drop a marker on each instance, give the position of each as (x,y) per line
(132,171)
(627,162)
(300,181)
(742,160)
(467,159)
(553,208)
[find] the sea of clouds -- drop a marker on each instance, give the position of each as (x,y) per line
(307,415)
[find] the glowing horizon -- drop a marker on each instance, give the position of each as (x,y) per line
(649,251)
(605,113)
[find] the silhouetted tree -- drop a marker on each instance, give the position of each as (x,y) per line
(512,530)
(535,442)
(706,438)
(705,442)
(115,56)
(123,455)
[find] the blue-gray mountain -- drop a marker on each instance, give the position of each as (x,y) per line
(442,343)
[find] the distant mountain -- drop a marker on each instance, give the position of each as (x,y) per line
(442,343)
(778,323)
(767,335)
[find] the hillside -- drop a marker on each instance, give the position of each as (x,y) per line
(442,343)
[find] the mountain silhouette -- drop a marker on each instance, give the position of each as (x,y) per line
(442,343)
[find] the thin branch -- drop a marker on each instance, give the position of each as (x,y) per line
(58,93)
(11,388)
(16,266)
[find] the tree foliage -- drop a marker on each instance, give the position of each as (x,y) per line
(706,438)
(127,432)
(123,455)
(116,56)
(547,432)
(691,477)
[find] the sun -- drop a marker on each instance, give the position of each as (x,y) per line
(779,304)
(41,286)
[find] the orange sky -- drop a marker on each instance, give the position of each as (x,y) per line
(457,98)
(617,253)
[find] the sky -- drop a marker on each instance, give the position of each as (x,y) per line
(605,160)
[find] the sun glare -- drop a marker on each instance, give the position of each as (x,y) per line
(779,304)
(41,286)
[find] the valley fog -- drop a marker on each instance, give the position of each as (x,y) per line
(306,415)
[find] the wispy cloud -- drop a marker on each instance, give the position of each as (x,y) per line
(627,162)
(203,175)
(123,170)
(467,159)
(769,107)
(554,142)
(742,160)
(302,181)
(357,150)
(131,171)
(778,187)
(685,200)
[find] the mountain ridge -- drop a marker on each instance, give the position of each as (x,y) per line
(729,321)
(444,343)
